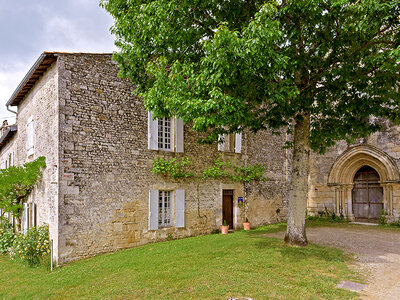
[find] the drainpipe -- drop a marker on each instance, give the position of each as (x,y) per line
(8,108)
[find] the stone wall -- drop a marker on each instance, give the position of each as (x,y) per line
(387,148)
(42,105)
(105,167)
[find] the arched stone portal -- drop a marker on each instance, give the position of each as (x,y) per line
(343,171)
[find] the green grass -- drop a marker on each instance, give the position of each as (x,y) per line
(205,267)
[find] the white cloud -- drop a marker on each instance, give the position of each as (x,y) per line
(31,27)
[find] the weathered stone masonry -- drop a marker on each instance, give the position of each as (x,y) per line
(95,190)
(105,167)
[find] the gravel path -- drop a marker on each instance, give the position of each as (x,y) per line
(377,253)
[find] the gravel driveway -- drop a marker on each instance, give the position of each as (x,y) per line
(377,252)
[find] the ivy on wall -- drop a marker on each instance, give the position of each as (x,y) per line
(16,182)
(221,169)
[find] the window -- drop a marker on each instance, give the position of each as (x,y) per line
(30,136)
(29,216)
(231,143)
(166,209)
(165,134)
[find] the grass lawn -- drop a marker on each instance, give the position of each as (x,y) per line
(205,267)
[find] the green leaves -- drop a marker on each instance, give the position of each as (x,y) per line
(258,65)
(220,170)
(16,183)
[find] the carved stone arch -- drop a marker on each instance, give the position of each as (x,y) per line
(346,166)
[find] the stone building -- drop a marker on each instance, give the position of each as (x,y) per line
(98,193)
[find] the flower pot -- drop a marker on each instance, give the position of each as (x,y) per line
(224,229)
(246,225)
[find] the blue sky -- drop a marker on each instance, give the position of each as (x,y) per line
(29,27)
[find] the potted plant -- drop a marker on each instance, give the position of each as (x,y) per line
(224,228)
(246,225)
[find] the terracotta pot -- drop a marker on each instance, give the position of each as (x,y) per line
(224,229)
(246,225)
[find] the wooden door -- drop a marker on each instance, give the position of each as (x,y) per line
(227,207)
(367,195)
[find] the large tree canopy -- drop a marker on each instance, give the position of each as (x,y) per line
(319,69)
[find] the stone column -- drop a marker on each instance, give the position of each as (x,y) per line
(347,201)
(388,198)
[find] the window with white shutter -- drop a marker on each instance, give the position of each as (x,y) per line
(165,134)
(30,136)
(230,143)
(161,209)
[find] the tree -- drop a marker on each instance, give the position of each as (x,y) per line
(322,70)
(16,183)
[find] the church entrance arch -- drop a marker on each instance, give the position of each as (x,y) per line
(351,172)
(367,195)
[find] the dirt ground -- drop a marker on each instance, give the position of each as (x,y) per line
(377,254)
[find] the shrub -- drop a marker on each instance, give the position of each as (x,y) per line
(6,235)
(31,246)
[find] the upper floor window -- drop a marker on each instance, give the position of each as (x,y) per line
(30,137)
(230,143)
(165,134)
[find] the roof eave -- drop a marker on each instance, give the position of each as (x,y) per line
(39,67)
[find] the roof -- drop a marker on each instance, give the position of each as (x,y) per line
(45,60)
(7,135)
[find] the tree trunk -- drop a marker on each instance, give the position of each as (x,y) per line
(296,230)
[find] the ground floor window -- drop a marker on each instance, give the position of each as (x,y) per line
(164,209)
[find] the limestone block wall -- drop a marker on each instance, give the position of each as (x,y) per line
(268,200)
(105,167)
(41,104)
(387,146)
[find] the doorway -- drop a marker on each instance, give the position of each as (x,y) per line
(227,207)
(367,198)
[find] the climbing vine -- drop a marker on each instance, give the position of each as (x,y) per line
(16,182)
(220,169)
(174,168)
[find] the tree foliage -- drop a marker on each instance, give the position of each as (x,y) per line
(323,70)
(16,182)
(255,64)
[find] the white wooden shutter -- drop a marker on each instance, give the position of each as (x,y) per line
(153,209)
(152,132)
(238,142)
(180,208)
(221,146)
(26,214)
(30,133)
(179,135)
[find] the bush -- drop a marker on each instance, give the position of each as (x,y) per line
(6,235)
(31,246)
(327,216)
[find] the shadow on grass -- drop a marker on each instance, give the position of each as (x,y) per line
(260,241)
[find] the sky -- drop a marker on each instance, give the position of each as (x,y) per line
(29,27)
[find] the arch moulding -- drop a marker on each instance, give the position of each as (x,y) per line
(345,167)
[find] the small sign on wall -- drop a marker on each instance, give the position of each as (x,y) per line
(240,201)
